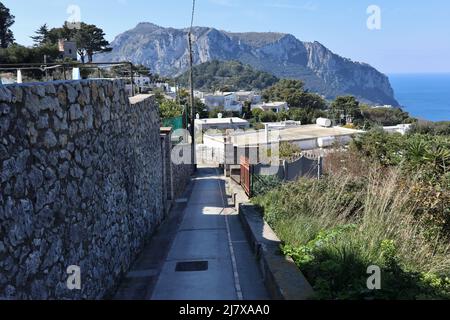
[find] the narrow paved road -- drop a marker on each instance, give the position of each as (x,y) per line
(210,258)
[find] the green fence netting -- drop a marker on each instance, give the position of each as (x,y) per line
(175,123)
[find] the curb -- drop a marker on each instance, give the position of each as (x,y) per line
(282,278)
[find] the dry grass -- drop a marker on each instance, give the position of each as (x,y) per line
(382,207)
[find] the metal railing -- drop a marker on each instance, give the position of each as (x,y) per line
(65,66)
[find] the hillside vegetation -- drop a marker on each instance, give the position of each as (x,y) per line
(385,203)
(227,76)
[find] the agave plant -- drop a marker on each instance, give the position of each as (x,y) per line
(415,152)
(433,154)
(439,157)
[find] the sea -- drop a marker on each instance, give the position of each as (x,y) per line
(424,96)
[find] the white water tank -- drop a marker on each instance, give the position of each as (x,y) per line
(323,122)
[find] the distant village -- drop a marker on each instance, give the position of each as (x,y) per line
(235,102)
(224,101)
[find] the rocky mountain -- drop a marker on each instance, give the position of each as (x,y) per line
(165,51)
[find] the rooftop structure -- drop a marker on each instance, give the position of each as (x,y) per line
(222,123)
(225,100)
(248,96)
(295,134)
(283,124)
(276,107)
(67,49)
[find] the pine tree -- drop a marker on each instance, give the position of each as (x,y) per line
(6,21)
(90,40)
(42,35)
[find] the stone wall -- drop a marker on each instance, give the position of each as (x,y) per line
(177,173)
(168,179)
(181,174)
(81,184)
(181,169)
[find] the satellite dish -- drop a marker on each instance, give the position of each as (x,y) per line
(197,116)
(220,115)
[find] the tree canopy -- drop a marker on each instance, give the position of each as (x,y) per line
(385,116)
(89,38)
(41,35)
(431,128)
(6,21)
(170,109)
(344,107)
(227,76)
(19,54)
(295,94)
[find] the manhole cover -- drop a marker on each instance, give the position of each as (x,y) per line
(192,266)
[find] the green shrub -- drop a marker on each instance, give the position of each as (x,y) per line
(289,151)
(263,184)
(414,152)
(170,109)
(432,128)
(336,228)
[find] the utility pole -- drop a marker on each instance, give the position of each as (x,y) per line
(191,81)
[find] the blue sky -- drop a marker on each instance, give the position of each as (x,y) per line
(414,35)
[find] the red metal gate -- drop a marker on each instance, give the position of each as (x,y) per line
(246,176)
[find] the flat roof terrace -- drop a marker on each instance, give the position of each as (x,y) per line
(306,132)
(213,121)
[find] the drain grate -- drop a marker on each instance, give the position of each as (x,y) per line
(192,266)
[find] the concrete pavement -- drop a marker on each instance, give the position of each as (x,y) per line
(210,258)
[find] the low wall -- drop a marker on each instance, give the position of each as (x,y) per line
(81,184)
(311,144)
(181,173)
(291,170)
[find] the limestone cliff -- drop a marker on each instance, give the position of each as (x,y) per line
(165,51)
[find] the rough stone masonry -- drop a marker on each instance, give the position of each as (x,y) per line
(80,184)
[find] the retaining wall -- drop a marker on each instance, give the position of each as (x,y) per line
(81,184)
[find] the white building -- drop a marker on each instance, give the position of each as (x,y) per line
(307,137)
(226,100)
(161,85)
(310,138)
(221,124)
(248,96)
(276,107)
(401,128)
(386,106)
(198,94)
(142,81)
